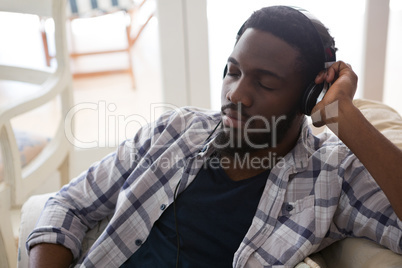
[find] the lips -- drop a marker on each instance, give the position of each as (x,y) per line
(232,118)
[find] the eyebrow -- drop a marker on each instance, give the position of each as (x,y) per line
(261,71)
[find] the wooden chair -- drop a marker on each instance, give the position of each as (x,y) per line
(19,183)
(84,9)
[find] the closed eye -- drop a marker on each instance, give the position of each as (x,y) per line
(232,68)
(264,86)
(233,74)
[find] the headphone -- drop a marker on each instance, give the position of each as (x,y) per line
(314,92)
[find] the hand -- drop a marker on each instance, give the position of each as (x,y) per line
(341,92)
(380,156)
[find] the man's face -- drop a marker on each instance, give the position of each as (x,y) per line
(260,93)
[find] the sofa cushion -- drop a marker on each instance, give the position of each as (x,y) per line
(383,118)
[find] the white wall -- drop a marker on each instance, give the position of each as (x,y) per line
(184,52)
(344,19)
(393,66)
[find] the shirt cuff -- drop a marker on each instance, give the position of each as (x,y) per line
(54,236)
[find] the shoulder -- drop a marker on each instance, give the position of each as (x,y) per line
(188,124)
(191,113)
(324,148)
(324,153)
(333,152)
(182,119)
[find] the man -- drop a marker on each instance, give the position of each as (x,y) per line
(249,187)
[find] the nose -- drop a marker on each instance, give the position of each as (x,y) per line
(240,92)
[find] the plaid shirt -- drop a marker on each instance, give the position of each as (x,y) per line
(317,194)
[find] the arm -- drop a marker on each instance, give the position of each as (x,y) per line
(76,208)
(90,198)
(49,256)
(380,157)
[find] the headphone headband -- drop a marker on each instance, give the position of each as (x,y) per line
(328,52)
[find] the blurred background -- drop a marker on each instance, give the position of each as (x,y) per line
(178,60)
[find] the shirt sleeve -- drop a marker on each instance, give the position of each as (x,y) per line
(364,210)
(82,203)
(93,195)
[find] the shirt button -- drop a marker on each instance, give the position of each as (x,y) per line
(289,207)
(163,206)
(138,242)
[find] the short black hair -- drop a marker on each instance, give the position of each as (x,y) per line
(295,28)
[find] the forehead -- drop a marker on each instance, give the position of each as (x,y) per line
(258,49)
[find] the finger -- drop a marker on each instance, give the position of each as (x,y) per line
(340,66)
(335,70)
(321,77)
(331,73)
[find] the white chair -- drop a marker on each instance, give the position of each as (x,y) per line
(19,183)
(90,9)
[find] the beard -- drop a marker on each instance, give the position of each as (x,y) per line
(231,141)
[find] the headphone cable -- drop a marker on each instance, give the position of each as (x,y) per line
(174,207)
(176,224)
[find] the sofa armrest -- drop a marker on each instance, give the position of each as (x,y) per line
(30,213)
(358,253)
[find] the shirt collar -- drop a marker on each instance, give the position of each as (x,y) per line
(304,148)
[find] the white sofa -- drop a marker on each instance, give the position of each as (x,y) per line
(348,253)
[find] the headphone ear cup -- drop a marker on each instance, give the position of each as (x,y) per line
(225,71)
(310,97)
